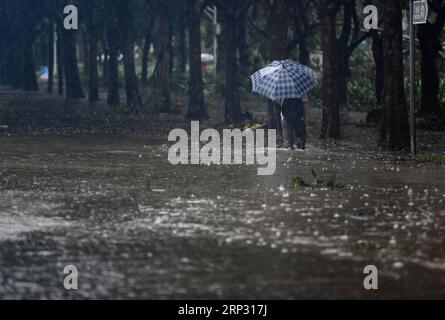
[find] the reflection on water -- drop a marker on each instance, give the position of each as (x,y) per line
(214,231)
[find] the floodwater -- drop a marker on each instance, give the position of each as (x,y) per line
(137,227)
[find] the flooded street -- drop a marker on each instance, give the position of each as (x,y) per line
(136,226)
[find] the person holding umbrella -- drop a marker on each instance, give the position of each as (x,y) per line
(288,84)
(293,122)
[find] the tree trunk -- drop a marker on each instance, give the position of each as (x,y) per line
(17,58)
(331,111)
(106,62)
(29,69)
(134,100)
(60,60)
(243,46)
(73,85)
(162,75)
(429,46)
(51,57)
(93,90)
(304,54)
(232,109)
(83,52)
(377,51)
(171,47)
(181,47)
(197,109)
(145,54)
(342,77)
(278,45)
(113,98)
(394,131)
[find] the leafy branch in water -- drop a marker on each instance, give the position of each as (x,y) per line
(319,183)
(436,159)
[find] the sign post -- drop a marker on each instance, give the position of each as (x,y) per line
(412,80)
(418,14)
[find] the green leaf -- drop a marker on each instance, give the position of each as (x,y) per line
(298,182)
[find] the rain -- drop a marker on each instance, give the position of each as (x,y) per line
(87,111)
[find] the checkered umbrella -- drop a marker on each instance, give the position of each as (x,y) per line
(284,79)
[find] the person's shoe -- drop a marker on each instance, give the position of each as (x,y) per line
(301,145)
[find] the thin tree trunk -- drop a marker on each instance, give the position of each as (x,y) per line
(197,109)
(83,52)
(124,14)
(145,54)
(243,46)
(377,51)
(93,87)
(112,32)
(304,54)
(134,100)
(106,62)
(29,69)
(232,99)
(73,85)
(60,60)
(278,45)
(162,74)
(181,47)
(50,57)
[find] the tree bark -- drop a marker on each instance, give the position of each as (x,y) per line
(162,74)
(278,11)
(331,110)
(93,87)
(145,54)
(127,41)
(243,46)
(60,60)
(394,132)
(197,109)
(181,47)
(430,46)
(29,69)
(113,98)
(51,60)
(72,78)
(232,109)
(106,61)
(83,51)
(377,51)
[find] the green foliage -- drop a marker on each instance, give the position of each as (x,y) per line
(366,245)
(435,159)
(361,96)
(330,183)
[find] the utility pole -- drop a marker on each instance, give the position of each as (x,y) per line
(418,14)
(412,78)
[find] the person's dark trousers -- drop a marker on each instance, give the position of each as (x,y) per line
(294,134)
(294,124)
(288,133)
(300,133)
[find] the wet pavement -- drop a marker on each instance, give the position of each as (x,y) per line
(137,227)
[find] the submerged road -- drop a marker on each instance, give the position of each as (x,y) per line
(137,227)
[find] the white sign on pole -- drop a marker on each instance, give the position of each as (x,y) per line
(420,15)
